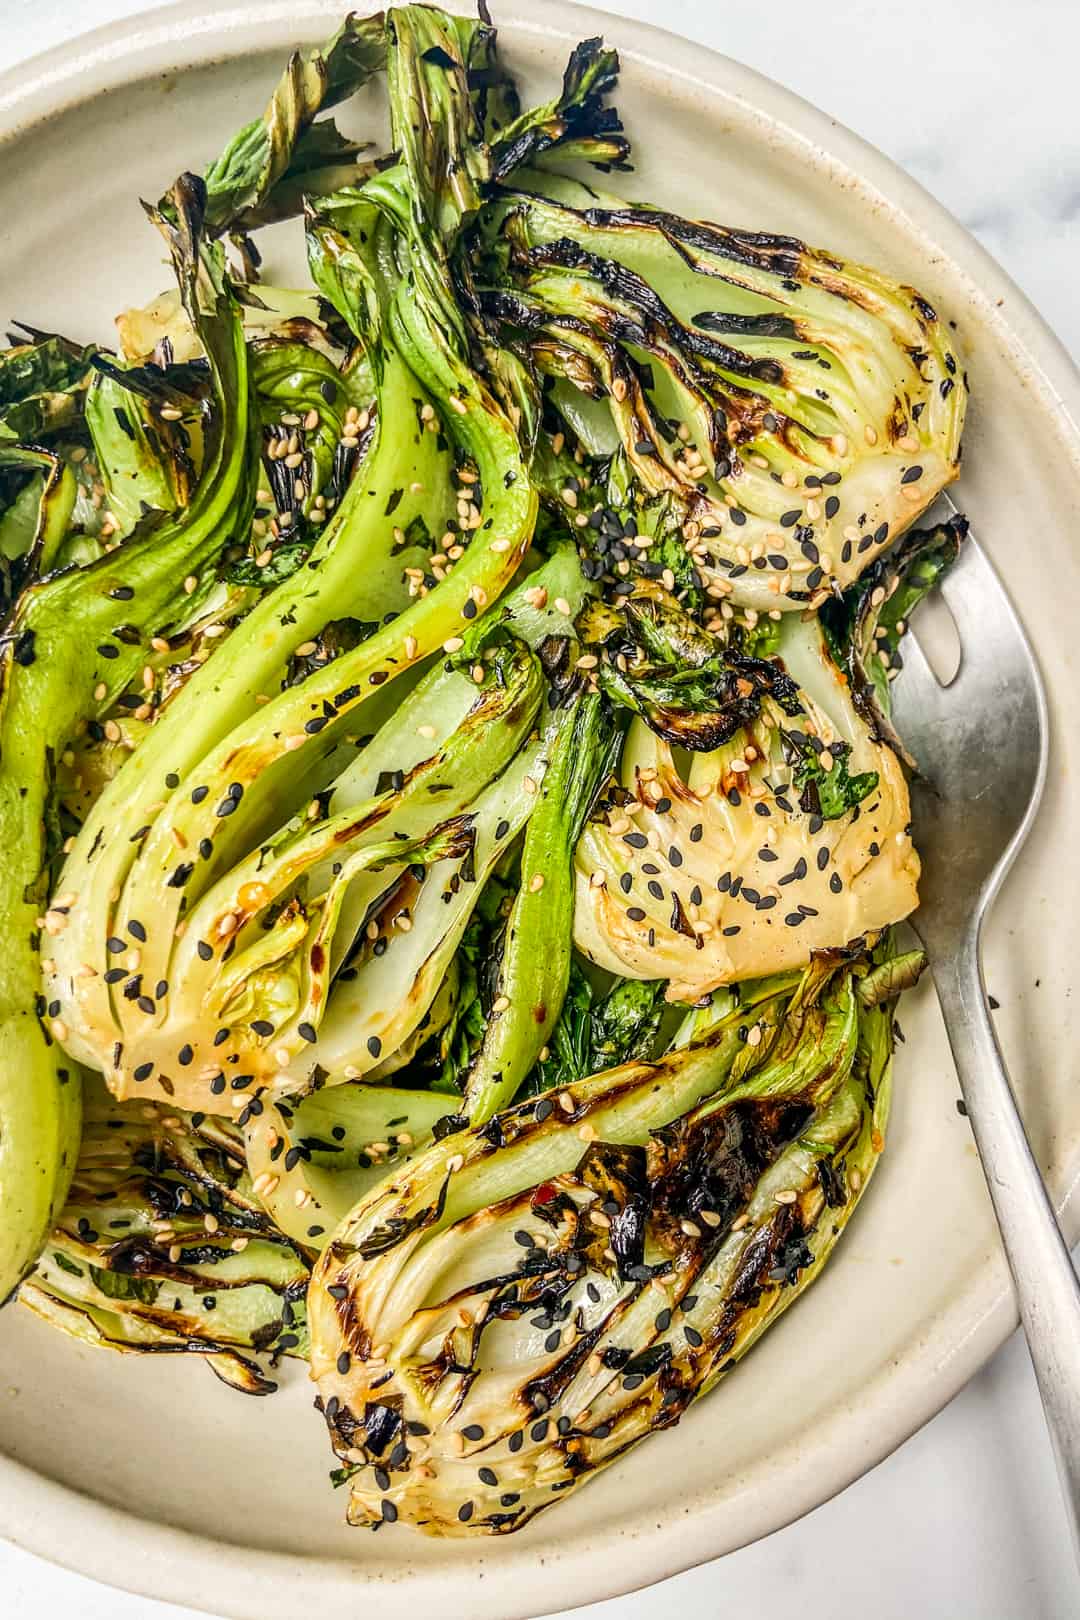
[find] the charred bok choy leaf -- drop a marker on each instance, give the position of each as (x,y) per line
(800,411)
(793,835)
(162,1246)
(222,771)
(73,642)
(510,1311)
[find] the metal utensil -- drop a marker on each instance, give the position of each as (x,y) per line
(981,745)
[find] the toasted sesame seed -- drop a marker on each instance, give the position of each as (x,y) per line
(788,1196)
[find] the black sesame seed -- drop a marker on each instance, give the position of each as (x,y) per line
(794,919)
(387,1509)
(306,1032)
(204,949)
(835,884)
(465,1512)
(693,1337)
(488,1476)
(199,794)
(822,857)
(516,1440)
(344,1362)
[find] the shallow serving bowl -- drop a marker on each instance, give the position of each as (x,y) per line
(147,1472)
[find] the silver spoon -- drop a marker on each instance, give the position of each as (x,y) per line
(981,746)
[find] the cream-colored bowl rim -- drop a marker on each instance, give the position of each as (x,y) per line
(503,1581)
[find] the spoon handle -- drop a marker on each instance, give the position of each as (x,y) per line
(1047,1289)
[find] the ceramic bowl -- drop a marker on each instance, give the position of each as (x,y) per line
(148,1473)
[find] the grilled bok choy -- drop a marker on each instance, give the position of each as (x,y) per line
(515,1307)
(452,814)
(162,1246)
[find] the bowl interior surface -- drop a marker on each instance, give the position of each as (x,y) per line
(188,1490)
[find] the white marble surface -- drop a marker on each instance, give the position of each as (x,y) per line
(977,99)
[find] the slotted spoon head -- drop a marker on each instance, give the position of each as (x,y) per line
(981,746)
